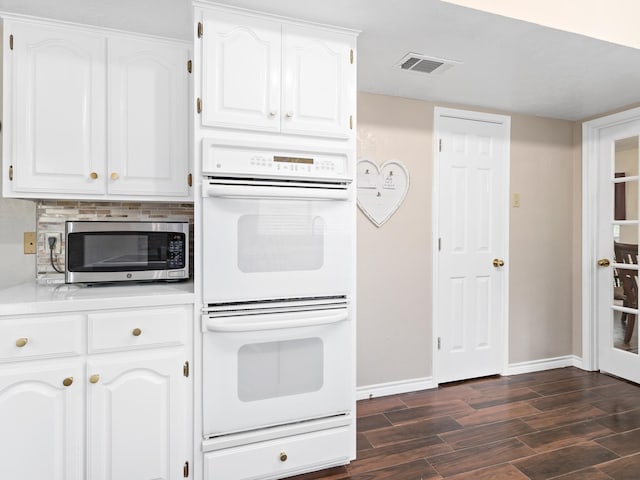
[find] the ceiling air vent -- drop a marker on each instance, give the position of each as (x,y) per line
(415,62)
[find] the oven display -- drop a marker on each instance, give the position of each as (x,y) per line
(305,161)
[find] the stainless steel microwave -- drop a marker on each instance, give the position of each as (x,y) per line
(125,251)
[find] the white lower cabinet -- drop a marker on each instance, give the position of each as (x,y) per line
(123,415)
(279,458)
(41,421)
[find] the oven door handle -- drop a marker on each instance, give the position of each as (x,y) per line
(276,193)
(272,321)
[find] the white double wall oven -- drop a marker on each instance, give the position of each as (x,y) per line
(277,270)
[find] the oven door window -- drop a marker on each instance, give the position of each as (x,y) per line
(280,243)
(279,369)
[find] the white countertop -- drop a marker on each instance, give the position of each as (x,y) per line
(32,298)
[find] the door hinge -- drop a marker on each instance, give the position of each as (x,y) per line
(440,145)
(10,173)
(439,244)
(351,56)
(185,470)
(350,122)
(189,66)
(199,105)
(190,180)
(11,42)
(439,343)
(185,369)
(200,30)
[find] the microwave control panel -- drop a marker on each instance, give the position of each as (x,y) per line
(239,161)
(175,251)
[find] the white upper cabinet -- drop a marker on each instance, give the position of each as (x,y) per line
(55,102)
(276,76)
(93,115)
(241,72)
(147,141)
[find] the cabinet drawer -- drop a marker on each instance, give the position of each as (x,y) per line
(46,336)
(132,329)
(282,457)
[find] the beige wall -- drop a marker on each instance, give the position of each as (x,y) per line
(16,217)
(394,261)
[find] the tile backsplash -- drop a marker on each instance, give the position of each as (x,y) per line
(52,214)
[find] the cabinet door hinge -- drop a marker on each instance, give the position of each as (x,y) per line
(351,57)
(200,30)
(350,122)
(199,105)
(185,470)
(439,343)
(185,369)
(189,66)
(10,173)
(190,180)
(440,145)
(11,42)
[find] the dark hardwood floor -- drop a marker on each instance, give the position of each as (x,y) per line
(565,424)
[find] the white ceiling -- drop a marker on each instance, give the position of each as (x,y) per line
(506,64)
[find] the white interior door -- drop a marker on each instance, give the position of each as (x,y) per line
(471,268)
(617,250)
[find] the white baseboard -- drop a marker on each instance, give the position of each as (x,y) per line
(393,388)
(543,364)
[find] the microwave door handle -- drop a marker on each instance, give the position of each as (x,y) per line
(270,321)
(276,193)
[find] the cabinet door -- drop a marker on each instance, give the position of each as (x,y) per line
(137,416)
(319,82)
(42,422)
(240,72)
(56,94)
(148,119)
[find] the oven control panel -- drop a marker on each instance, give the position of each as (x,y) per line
(244,161)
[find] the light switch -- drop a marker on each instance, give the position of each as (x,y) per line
(516,200)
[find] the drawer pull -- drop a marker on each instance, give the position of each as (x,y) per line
(283,457)
(93,175)
(136,332)
(94,378)
(21,342)
(67,381)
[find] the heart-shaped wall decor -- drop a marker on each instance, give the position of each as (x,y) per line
(381,190)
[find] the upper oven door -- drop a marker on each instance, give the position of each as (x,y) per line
(265,240)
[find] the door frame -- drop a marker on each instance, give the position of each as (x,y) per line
(590,156)
(505,122)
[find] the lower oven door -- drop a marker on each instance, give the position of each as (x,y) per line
(263,370)
(264,242)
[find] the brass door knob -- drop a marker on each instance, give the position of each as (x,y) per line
(93,175)
(283,457)
(21,342)
(67,381)
(94,378)
(604,262)
(498,262)
(136,332)
(114,176)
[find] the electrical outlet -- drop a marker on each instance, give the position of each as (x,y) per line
(57,247)
(516,200)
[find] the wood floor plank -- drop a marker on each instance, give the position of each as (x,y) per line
(435,409)
(565,436)
(362,443)
(591,473)
(416,470)
(336,473)
(372,422)
(573,384)
(623,444)
(495,414)
(379,405)
(618,404)
(411,431)
(499,396)
(563,416)
(498,472)
(622,422)
(475,458)
(426,397)
(627,468)
(565,460)
(483,434)
(566,399)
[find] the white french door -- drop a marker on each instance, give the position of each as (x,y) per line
(616,273)
(471,227)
